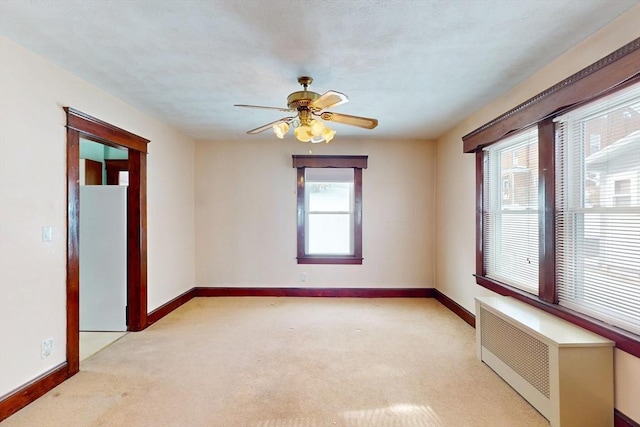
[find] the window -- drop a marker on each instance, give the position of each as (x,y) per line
(598,219)
(329,209)
(510,220)
(123,177)
(588,199)
(622,192)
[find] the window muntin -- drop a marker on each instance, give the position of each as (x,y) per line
(510,218)
(598,210)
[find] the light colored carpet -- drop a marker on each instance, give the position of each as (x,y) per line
(289,362)
(92,342)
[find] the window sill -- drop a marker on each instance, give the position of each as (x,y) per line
(625,341)
(322,259)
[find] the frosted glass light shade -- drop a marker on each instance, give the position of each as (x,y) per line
(328,134)
(321,132)
(317,128)
(315,131)
(303,133)
(281,129)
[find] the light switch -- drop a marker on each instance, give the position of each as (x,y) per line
(47,233)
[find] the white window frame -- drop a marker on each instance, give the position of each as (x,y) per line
(499,265)
(350,213)
(571,287)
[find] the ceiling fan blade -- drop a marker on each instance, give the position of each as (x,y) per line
(329,99)
(269,125)
(363,122)
(286,110)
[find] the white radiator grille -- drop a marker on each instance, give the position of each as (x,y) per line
(523,353)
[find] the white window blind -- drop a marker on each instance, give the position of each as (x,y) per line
(510,213)
(598,209)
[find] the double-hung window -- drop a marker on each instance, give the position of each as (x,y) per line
(329,209)
(558,199)
(511,211)
(598,209)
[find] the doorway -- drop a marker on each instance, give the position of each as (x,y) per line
(81,125)
(103,248)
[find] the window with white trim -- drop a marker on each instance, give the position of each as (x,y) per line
(510,219)
(598,209)
(329,210)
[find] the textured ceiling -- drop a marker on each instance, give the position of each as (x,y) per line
(418,66)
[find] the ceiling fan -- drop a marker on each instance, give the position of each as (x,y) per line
(309,106)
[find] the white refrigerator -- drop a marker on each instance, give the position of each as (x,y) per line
(103,257)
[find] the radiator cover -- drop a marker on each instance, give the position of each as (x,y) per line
(564,371)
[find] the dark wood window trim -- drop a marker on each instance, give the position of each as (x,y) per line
(547,210)
(602,78)
(300,162)
(308,161)
(586,85)
(81,125)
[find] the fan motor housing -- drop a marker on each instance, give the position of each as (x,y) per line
(301,99)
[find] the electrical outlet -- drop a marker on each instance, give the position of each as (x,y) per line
(47,348)
(303,277)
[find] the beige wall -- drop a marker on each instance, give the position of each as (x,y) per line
(455,181)
(244,207)
(246,215)
(33,194)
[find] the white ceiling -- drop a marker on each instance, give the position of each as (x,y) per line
(418,66)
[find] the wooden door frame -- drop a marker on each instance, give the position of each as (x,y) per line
(114,167)
(81,125)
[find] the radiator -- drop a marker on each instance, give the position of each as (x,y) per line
(563,371)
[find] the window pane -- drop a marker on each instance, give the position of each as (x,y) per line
(518,257)
(329,196)
(511,211)
(123,177)
(598,210)
(329,234)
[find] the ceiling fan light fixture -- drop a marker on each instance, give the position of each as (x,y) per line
(317,127)
(328,134)
(281,129)
(303,133)
(308,104)
(321,132)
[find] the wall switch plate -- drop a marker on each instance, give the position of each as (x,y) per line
(47,348)
(303,277)
(47,233)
